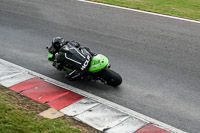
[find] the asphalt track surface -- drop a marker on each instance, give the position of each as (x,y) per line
(157,57)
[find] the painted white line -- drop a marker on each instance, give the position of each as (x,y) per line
(130,125)
(98,99)
(103,117)
(16,79)
(135,10)
(79,107)
(9,76)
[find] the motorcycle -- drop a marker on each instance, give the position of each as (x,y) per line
(99,70)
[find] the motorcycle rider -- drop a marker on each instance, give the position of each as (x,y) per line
(71,55)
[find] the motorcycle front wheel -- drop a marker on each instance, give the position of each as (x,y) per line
(112,78)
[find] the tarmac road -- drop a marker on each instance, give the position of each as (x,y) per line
(157,57)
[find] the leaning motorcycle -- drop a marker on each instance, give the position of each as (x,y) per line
(99,70)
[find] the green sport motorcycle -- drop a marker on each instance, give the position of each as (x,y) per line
(99,70)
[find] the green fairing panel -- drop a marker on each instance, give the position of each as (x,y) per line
(68,69)
(50,55)
(98,63)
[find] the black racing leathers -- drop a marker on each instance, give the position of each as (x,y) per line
(74,57)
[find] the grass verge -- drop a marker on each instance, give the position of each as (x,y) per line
(19,114)
(14,120)
(181,8)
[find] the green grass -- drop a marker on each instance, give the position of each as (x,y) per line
(3,96)
(14,120)
(182,8)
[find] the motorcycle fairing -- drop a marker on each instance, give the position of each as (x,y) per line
(98,63)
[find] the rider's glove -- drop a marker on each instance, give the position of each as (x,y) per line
(52,50)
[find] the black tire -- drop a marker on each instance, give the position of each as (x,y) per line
(112,78)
